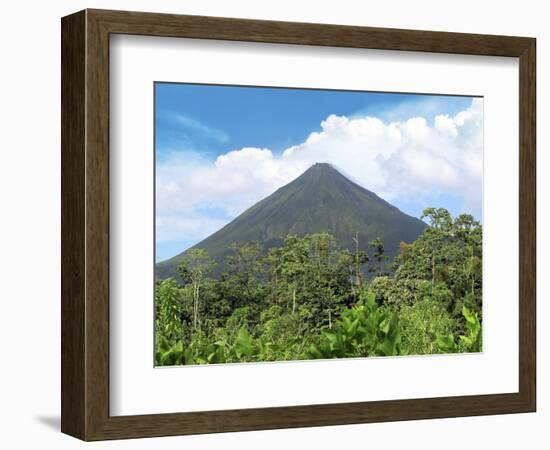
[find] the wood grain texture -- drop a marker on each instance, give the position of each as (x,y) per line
(527,224)
(97,225)
(85,224)
(201,27)
(73,112)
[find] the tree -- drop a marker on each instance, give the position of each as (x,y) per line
(378,255)
(360,258)
(327,278)
(353,264)
(469,231)
(440,221)
(194,270)
(448,253)
(293,264)
(242,268)
(438,218)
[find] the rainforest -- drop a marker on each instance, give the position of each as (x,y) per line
(307,296)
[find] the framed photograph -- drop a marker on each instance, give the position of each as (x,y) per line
(272,225)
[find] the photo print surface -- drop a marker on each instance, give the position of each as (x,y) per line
(300,224)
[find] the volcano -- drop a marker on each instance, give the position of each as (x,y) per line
(321,199)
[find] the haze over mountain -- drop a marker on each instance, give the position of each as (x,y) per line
(321,199)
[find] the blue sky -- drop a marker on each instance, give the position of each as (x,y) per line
(271,117)
(242,143)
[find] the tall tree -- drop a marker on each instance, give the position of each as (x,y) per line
(378,255)
(360,258)
(293,265)
(469,231)
(441,222)
(194,270)
(242,269)
(327,277)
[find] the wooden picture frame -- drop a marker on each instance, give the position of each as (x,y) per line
(85,224)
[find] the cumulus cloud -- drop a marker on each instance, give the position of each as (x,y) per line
(407,161)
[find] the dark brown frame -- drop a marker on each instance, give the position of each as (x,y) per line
(85,224)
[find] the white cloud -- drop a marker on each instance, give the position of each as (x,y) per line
(192,226)
(409,160)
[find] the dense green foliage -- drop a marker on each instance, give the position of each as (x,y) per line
(310,299)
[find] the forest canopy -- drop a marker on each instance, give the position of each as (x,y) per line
(310,299)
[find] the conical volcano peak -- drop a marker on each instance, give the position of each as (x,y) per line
(322,178)
(322,172)
(322,199)
(321,168)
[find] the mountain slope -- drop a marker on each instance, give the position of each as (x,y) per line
(321,199)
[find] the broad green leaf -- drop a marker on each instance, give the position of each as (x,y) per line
(446,344)
(244,344)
